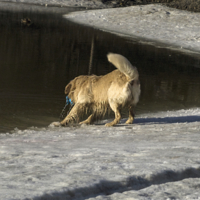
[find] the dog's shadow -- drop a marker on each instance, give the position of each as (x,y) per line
(151,120)
(160,120)
(166,120)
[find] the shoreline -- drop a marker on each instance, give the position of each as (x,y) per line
(160,25)
(154,24)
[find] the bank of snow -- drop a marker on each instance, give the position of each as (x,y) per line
(157,157)
(174,28)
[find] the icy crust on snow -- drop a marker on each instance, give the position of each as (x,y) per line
(169,26)
(157,157)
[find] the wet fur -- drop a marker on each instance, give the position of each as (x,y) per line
(95,95)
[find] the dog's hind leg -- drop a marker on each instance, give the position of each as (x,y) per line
(117,116)
(131,115)
(76,111)
(89,120)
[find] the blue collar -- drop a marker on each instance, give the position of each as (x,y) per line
(69,101)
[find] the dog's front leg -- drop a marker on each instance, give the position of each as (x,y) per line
(131,115)
(73,115)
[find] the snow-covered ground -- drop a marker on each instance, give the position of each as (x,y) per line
(160,24)
(157,157)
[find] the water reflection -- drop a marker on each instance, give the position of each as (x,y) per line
(36,62)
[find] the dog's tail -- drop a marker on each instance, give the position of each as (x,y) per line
(121,63)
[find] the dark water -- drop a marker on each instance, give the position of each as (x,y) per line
(37,61)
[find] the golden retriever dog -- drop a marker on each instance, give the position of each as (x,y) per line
(95,95)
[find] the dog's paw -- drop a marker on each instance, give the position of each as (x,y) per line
(85,123)
(129,122)
(109,124)
(63,123)
(55,124)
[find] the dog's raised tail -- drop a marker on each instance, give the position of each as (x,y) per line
(122,63)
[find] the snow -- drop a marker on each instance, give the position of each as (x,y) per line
(160,24)
(156,157)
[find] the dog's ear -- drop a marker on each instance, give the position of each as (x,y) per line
(68,88)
